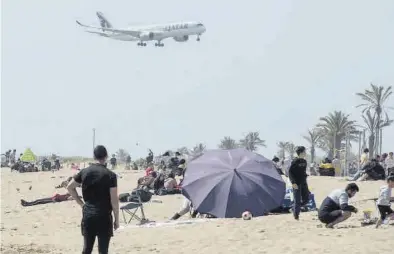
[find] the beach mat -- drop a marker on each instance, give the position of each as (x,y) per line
(156,224)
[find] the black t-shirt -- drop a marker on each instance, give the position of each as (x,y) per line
(113,161)
(297,171)
(96,181)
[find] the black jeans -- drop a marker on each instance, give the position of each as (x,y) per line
(301,198)
(103,243)
(92,225)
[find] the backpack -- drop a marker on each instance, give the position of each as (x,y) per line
(145,196)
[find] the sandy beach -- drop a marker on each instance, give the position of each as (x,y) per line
(54,228)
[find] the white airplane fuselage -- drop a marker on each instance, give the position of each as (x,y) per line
(158,32)
(179,31)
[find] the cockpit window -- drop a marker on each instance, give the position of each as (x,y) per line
(200,24)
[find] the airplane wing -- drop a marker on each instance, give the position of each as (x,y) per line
(98,33)
(122,31)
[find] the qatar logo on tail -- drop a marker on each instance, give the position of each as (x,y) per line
(103,21)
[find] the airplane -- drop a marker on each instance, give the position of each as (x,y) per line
(180,31)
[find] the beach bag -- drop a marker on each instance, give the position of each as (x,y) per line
(123,197)
(288,201)
(145,196)
(327,171)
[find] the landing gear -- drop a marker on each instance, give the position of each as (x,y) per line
(198,37)
(159,44)
(142,44)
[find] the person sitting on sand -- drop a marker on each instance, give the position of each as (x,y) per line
(180,169)
(148,170)
(384,201)
(148,180)
(335,207)
(372,171)
(186,208)
(170,183)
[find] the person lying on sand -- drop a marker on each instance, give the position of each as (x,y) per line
(335,208)
(55,198)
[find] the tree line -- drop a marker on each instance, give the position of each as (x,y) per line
(330,133)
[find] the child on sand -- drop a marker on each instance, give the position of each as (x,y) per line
(384,200)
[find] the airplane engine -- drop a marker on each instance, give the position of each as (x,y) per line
(181,38)
(147,36)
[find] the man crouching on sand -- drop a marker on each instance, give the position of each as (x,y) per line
(335,208)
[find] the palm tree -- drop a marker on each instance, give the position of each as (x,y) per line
(290,148)
(252,141)
(282,149)
(312,137)
(228,143)
(199,148)
(375,99)
(333,128)
(183,150)
(372,125)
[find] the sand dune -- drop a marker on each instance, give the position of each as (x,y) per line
(54,228)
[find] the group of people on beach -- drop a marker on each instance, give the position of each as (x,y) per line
(100,197)
(10,157)
(335,207)
(377,168)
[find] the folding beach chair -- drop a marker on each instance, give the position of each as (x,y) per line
(132,208)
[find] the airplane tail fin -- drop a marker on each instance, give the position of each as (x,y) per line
(103,21)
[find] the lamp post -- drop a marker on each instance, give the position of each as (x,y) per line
(361,137)
(380,141)
(94,138)
(359,143)
(347,148)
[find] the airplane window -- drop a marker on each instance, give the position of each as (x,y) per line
(199,24)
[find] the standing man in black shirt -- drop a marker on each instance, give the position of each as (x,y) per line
(100,193)
(297,176)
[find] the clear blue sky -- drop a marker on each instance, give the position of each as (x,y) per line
(268,66)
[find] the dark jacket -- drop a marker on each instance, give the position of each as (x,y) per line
(374,170)
(297,171)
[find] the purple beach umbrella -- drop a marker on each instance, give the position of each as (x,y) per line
(225,183)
